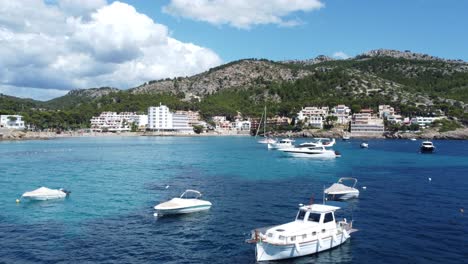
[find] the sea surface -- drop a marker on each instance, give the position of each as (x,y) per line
(409,212)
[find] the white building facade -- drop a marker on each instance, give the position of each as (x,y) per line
(366,123)
(12,121)
(385,111)
(159,118)
(313,116)
(114,122)
(343,114)
(424,121)
(162,119)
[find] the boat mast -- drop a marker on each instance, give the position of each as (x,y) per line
(264,126)
(259,123)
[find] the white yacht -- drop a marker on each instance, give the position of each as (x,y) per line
(312,152)
(319,142)
(315,229)
(427,147)
(188,202)
(340,191)
(282,144)
(44,193)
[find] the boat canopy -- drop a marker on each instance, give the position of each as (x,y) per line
(319,208)
(189,192)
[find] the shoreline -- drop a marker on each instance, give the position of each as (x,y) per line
(459,134)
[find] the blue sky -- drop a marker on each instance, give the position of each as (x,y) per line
(438,28)
(49,47)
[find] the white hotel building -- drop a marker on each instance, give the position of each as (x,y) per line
(117,122)
(12,121)
(160,118)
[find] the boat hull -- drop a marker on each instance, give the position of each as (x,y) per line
(268,252)
(427,149)
(342,196)
(44,197)
(184,210)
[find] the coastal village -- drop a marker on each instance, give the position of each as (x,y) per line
(162,120)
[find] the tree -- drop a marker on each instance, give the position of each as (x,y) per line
(198,129)
(329,120)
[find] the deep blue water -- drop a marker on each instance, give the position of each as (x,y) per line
(402,217)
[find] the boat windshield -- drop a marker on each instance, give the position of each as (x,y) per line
(314,217)
(301,215)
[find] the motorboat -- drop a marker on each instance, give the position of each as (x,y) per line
(413,139)
(267,140)
(188,202)
(346,137)
(364,145)
(44,193)
(427,147)
(315,229)
(312,152)
(340,191)
(282,144)
(319,142)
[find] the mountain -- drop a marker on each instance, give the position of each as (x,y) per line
(238,74)
(11,104)
(79,96)
(416,84)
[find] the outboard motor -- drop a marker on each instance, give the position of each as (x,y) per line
(65,191)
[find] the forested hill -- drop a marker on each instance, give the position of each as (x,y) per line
(414,83)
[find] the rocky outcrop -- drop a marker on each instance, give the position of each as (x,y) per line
(240,74)
(92,92)
(461,133)
(318,59)
(407,54)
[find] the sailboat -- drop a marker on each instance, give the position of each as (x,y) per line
(265,140)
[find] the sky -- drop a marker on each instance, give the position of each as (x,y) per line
(48,47)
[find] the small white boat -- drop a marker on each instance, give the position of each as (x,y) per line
(340,191)
(315,229)
(44,193)
(312,152)
(346,137)
(188,202)
(364,145)
(282,144)
(319,142)
(412,139)
(427,147)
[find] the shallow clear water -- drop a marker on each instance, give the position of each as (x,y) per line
(402,217)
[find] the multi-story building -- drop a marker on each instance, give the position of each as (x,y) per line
(193,116)
(309,111)
(342,112)
(12,121)
(114,122)
(243,125)
(424,121)
(366,123)
(386,110)
(162,119)
(159,118)
(313,116)
(395,119)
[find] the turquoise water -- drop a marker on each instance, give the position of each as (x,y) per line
(402,216)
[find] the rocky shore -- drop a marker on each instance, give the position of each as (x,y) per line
(459,134)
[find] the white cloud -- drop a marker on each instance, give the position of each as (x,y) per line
(67,46)
(242,13)
(340,55)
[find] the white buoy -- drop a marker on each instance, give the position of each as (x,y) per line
(167,186)
(430,179)
(155,214)
(17,200)
(364,187)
